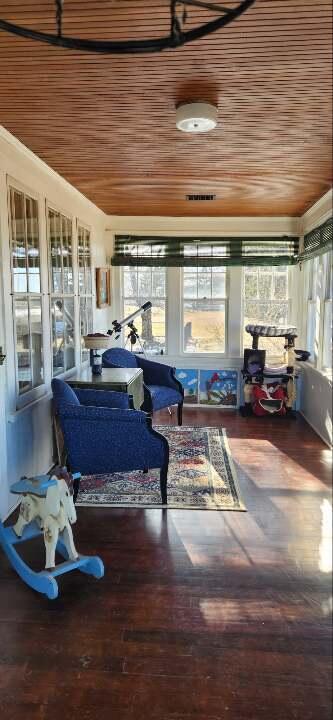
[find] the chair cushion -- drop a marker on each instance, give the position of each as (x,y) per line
(63,393)
(163,396)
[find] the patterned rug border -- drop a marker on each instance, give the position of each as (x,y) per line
(170,506)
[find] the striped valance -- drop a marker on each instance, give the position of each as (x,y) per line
(317,241)
(199,251)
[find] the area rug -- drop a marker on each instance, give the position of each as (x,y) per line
(201,476)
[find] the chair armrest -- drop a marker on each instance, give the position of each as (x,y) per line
(158,374)
(104,398)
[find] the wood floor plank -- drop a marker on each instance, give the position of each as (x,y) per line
(201,615)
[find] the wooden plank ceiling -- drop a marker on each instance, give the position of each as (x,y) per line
(107,123)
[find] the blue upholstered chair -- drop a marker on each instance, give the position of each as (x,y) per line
(106,439)
(161,387)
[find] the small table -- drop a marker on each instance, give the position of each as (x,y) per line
(127,380)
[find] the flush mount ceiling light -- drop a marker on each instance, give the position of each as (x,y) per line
(196,117)
(177,35)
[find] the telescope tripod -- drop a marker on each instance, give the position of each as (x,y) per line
(133,337)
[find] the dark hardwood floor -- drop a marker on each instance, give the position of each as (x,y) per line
(201,615)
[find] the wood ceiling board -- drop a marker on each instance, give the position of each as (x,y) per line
(107,123)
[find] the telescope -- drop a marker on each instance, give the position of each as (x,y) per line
(119,325)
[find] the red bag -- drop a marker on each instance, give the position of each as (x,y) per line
(268,402)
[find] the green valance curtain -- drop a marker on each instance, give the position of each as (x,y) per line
(150,251)
(317,241)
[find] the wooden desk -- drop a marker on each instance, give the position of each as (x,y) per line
(127,380)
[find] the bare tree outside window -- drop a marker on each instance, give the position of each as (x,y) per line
(265,292)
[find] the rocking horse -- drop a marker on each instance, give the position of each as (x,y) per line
(47,509)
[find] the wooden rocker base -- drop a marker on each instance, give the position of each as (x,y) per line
(44,581)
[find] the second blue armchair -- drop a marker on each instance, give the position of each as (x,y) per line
(161,387)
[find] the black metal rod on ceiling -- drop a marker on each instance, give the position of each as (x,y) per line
(176,38)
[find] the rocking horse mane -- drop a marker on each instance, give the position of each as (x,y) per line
(61,473)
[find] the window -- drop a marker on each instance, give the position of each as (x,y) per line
(326,359)
(204,304)
(26,288)
(319,310)
(265,294)
(139,285)
(85,286)
(62,292)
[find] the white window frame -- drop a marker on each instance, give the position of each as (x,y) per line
(319,299)
(29,396)
(192,355)
(271,358)
(49,206)
(137,347)
(84,295)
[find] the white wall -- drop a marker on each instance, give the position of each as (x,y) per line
(28,430)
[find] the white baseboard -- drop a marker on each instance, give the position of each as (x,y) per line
(316,430)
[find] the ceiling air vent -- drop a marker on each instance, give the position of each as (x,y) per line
(200,197)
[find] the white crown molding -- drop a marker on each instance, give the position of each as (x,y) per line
(317,213)
(236,226)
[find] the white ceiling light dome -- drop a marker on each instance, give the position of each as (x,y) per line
(196,117)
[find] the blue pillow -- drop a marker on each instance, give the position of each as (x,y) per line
(63,393)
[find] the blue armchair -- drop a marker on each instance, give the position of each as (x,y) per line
(108,439)
(161,387)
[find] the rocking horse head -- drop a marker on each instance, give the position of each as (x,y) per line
(58,496)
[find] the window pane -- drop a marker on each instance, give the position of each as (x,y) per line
(69,333)
(218,284)
(55,249)
(158,283)
(36,341)
(190,285)
(251,286)
(280,286)
(265,285)
(57,320)
(313,324)
(24,371)
(327,339)
(150,325)
(67,257)
(87,263)
(144,282)
(266,303)
(86,324)
(31,208)
(130,282)
(204,284)
(204,326)
(19,257)
(141,284)
(80,240)
(314,278)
